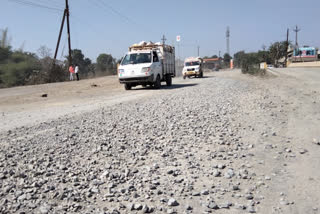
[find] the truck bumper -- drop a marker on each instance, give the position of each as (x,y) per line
(137,80)
(191,73)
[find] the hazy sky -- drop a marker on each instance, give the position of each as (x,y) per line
(110,26)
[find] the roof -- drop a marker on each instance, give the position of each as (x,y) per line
(211,59)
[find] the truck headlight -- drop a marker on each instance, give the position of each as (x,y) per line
(145,70)
(120,71)
(196,69)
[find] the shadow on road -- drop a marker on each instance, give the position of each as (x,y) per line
(164,87)
(174,86)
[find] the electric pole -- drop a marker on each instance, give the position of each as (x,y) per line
(163,39)
(198,50)
(287,46)
(296,30)
(65,14)
(68,26)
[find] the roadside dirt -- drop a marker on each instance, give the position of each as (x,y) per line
(25,105)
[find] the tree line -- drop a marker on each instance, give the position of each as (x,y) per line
(249,62)
(18,67)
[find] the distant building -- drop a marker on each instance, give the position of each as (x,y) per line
(212,63)
(304,54)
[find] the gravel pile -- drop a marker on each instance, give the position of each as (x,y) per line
(178,153)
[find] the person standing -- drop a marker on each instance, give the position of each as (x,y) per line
(76,70)
(71,70)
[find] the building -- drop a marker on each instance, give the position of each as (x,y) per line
(304,54)
(212,63)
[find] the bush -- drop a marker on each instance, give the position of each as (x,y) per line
(249,65)
(13,74)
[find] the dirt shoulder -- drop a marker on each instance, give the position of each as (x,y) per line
(25,105)
(283,128)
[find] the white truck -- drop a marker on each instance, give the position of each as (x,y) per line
(147,64)
(192,67)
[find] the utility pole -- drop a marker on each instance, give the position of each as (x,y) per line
(219,54)
(68,26)
(287,46)
(296,30)
(163,39)
(65,14)
(59,37)
(198,50)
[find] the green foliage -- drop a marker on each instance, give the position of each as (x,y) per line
(19,69)
(85,65)
(226,59)
(277,51)
(4,38)
(250,62)
(5,53)
(238,58)
(106,63)
(22,68)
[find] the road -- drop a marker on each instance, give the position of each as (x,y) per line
(226,143)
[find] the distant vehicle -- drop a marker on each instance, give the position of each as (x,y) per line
(192,67)
(269,66)
(147,64)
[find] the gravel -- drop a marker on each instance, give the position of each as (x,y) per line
(179,152)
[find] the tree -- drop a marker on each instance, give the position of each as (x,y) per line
(4,39)
(84,64)
(277,51)
(238,58)
(44,51)
(226,59)
(19,68)
(106,63)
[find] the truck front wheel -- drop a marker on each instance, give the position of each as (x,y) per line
(127,86)
(169,80)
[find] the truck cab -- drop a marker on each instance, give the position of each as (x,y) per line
(144,65)
(192,67)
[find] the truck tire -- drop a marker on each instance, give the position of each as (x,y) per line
(169,80)
(157,83)
(201,74)
(184,77)
(127,86)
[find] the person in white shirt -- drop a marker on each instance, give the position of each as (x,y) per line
(76,70)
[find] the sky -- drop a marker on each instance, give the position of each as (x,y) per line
(111,26)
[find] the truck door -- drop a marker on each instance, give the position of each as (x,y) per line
(157,64)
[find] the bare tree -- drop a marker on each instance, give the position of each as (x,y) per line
(4,39)
(44,51)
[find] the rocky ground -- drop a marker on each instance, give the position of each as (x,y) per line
(227,143)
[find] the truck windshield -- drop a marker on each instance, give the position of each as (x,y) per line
(192,63)
(136,58)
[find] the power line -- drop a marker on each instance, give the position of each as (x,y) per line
(51,3)
(32,4)
(116,11)
(103,6)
